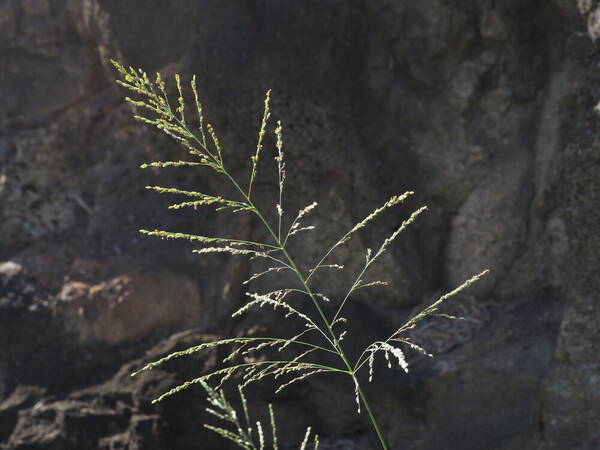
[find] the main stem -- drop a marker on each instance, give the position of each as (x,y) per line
(380,436)
(336,343)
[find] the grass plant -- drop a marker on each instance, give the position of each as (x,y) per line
(321,333)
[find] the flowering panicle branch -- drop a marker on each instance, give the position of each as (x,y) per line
(280,175)
(275,269)
(170,164)
(259,145)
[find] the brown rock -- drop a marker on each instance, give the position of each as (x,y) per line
(129,307)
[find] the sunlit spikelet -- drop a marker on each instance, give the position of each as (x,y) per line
(273,427)
(434,306)
(295,226)
(395,200)
(232,251)
(275,301)
(204,199)
(299,378)
(371,284)
(306,438)
(261,436)
(199,110)
(181,101)
(275,269)
(215,139)
(329,266)
(194,237)
(395,234)
(356,395)
(170,164)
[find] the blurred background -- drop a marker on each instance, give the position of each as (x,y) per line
(485,108)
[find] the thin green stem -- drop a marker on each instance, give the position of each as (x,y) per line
(359,361)
(380,436)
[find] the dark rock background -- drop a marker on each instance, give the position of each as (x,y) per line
(485,108)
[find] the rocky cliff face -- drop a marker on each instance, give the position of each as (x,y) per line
(484,108)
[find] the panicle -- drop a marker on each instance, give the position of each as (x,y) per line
(154,109)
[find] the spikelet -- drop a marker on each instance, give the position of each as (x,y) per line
(181,107)
(273,427)
(232,251)
(165,190)
(394,235)
(215,139)
(430,310)
(275,300)
(193,237)
(245,410)
(298,230)
(305,441)
(170,164)
(393,201)
(356,395)
(204,199)
(371,361)
(322,297)
(276,269)
(261,436)
(371,284)
(299,378)
(329,266)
